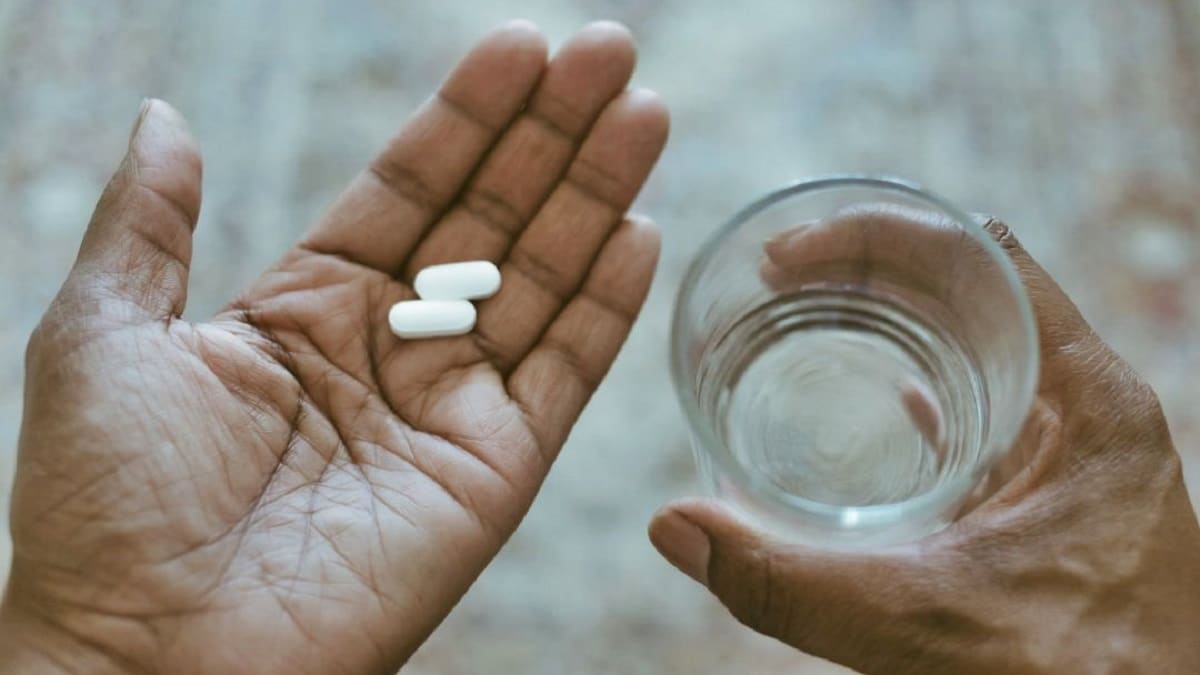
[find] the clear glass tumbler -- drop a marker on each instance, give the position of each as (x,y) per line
(853,356)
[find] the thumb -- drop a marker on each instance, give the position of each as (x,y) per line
(134,258)
(871,611)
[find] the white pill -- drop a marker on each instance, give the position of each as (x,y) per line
(474,280)
(414,319)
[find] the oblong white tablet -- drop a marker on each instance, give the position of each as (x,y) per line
(413,319)
(472,280)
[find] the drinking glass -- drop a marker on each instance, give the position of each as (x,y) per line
(853,355)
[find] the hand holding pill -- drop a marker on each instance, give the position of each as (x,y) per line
(377,406)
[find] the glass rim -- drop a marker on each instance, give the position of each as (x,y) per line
(703,429)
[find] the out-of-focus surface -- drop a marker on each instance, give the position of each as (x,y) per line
(1077,122)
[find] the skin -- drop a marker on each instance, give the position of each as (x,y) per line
(287,487)
(1085,558)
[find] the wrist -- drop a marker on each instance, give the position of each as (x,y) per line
(31,644)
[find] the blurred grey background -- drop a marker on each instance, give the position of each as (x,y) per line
(1078,122)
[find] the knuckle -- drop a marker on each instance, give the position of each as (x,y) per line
(1117,410)
(1135,399)
(47,336)
(759,598)
(34,348)
(998,229)
(69,322)
(1146,408)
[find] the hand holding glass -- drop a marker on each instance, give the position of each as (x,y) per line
(854,356)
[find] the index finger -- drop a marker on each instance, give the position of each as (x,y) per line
(931,252)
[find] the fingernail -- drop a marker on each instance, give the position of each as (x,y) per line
(520,24)
(683,545)
(777,245)
(924,411)
(639,220)
(141,117)
(775,241)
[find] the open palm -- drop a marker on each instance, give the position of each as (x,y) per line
(288,487)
